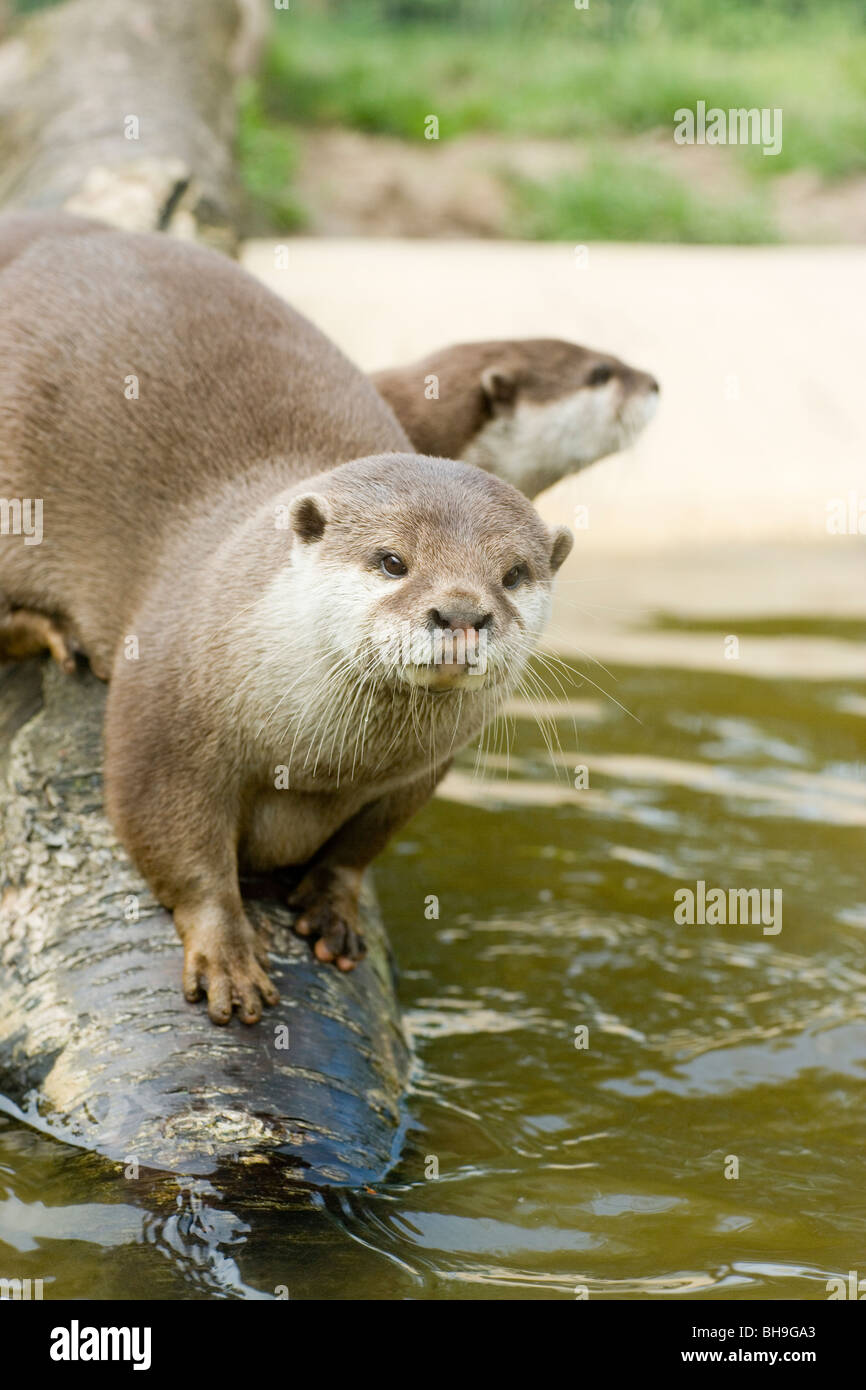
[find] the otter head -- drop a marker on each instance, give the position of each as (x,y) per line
(424,573)
(548,408)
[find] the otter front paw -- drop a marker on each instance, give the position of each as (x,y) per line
(228,964)
(331,927)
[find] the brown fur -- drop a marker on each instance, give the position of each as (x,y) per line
(208,545)
(18,230)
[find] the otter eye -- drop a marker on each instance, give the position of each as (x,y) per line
(393,566)
(514,577)
(600,374)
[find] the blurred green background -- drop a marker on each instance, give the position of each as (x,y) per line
(603,83)
(554,121)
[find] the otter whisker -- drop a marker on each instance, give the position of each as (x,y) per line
(317,739)
(547,725)
(360,732)
(581,675)
(339,727)
(589,656)
(456,723)
(488,709)
(316,662)
(320,688)
(345,724)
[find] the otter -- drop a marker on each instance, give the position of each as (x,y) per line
(530,410)
(300,619)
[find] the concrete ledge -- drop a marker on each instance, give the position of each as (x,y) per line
(760,353)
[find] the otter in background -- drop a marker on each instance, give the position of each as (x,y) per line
(529,410)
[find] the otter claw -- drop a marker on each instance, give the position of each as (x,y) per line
(334,941)
(231,979)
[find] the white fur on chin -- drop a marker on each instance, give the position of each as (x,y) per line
(539,444)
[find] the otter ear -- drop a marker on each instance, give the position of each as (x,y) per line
(308,516)
(499,388)
(561,541)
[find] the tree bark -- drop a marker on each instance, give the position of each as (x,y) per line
(126,112)
(97,1044)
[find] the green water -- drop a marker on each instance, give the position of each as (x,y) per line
(560,1166)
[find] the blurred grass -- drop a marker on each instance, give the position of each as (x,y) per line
(620,198)
(579,74)
(600,77)
(267,158)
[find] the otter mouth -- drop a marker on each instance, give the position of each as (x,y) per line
(635,413)
(441,678)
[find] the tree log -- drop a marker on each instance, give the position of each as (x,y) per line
(127,112)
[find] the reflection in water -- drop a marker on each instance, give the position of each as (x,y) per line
(535,1165)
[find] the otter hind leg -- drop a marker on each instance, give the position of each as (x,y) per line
(26,633)
(326,901)
(327,898)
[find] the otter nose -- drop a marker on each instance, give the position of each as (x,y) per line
(652,385)
(458,618)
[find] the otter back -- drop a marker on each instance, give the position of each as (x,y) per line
(141,378)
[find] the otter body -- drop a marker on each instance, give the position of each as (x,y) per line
(134,368)
(236,532)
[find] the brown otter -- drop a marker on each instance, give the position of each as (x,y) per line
(530,410)
(301,619)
